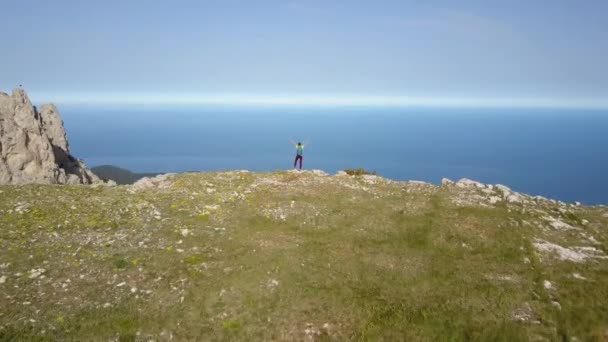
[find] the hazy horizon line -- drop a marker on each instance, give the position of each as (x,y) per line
(261,100)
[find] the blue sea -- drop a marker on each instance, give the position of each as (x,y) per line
(559,154)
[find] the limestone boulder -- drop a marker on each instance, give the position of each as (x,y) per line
(34,146)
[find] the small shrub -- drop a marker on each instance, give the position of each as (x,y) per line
(231,326)
(193,260)
(359,172)
(121,263)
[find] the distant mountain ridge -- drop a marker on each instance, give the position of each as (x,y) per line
(118,174)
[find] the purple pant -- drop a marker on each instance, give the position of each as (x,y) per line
(296,161)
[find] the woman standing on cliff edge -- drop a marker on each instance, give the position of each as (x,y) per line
(299,152)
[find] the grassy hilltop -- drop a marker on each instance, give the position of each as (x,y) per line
(298,256)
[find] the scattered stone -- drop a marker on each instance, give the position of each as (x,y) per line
(311,332)
(548,285)
(161,182)
(502,277)
(514,198)
(503,188)
(556,304)
(495,199)
(2,279)
(419,182)
(35,273)
(578,276)
(447,182)
(272,284)
(576,254)
(591,239)
(370,179)
(467,183)
(319,173)
(557,224)
(524,313)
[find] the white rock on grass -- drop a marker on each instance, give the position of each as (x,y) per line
(35,273)
(524,313)
(272,284)
(578,276)
(548,285)
(447,182)
(417,182)
(370,179)
(514,198)
(160,182)
(503,188)
(575,254)
(467,183)
(495,199)
(558,224)
(2,279)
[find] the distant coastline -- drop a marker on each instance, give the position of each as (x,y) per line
(119,175)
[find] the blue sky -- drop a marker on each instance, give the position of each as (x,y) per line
(306,51)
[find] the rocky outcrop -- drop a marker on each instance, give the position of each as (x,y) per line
(34,146)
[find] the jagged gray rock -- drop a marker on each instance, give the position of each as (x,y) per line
(34,146)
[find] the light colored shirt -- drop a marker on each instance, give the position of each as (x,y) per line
(300,149)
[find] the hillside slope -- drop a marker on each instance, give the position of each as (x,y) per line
(299,256)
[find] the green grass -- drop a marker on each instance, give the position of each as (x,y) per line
(292,256)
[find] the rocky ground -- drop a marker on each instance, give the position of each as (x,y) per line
(299,256)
